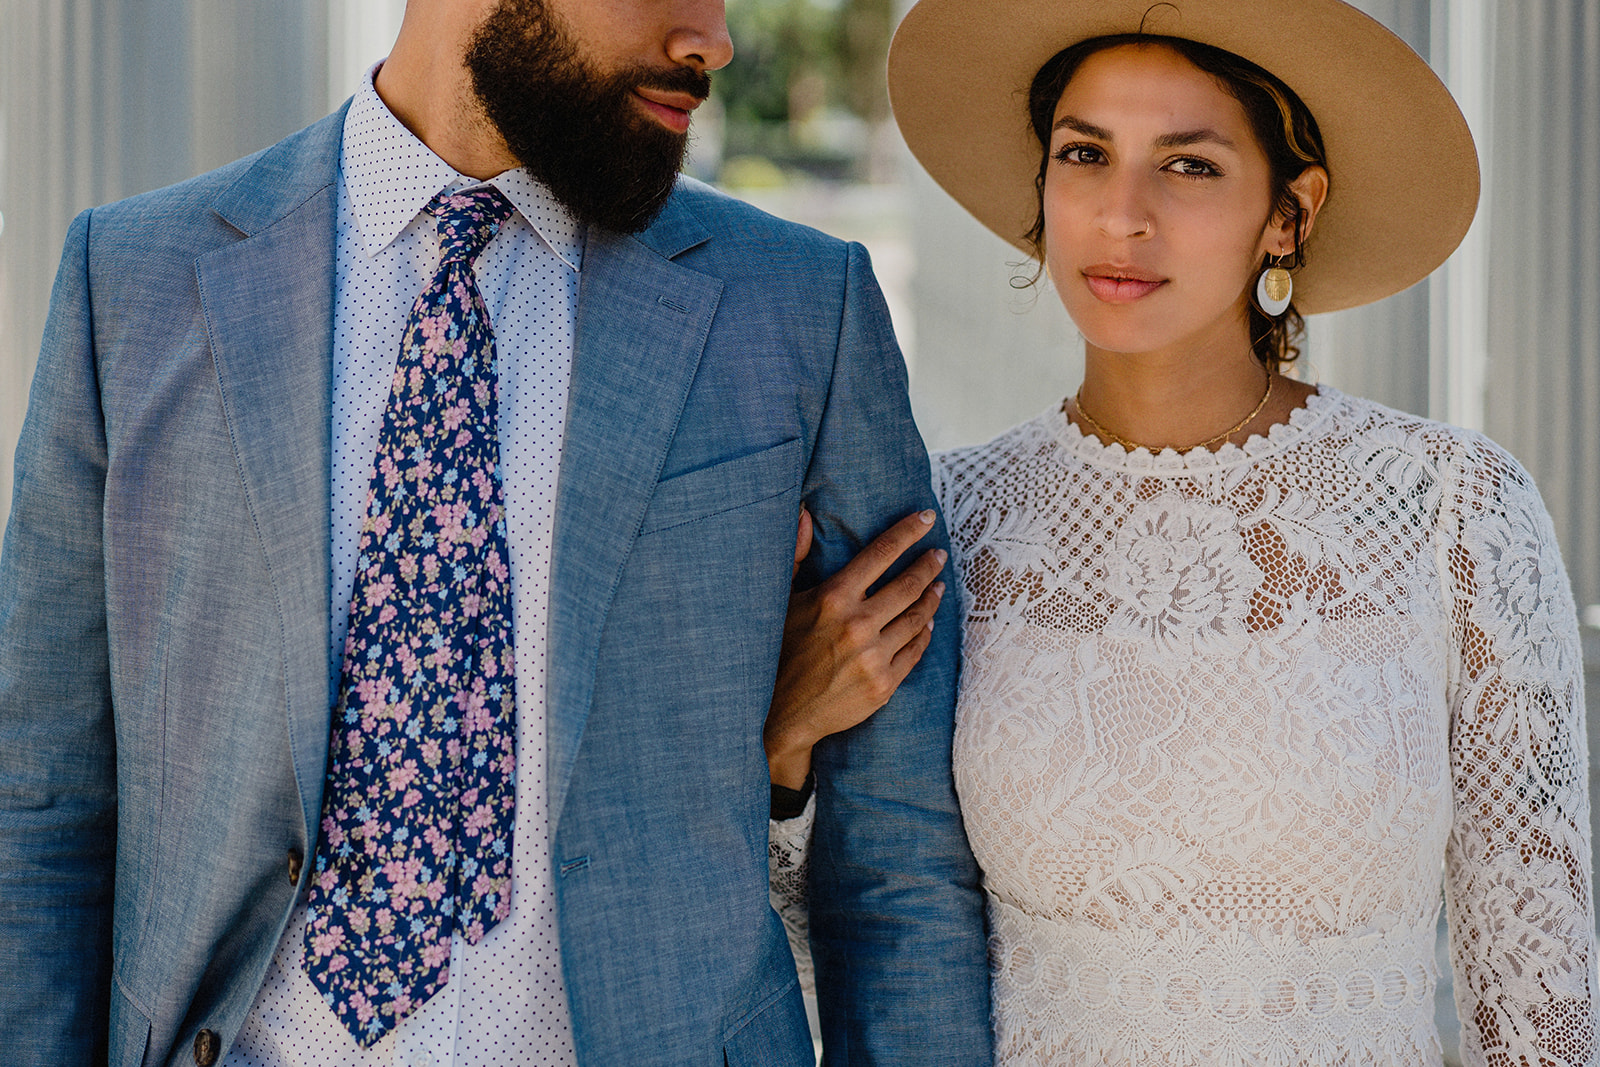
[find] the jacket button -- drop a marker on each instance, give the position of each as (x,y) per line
(296,860)
(207,1047)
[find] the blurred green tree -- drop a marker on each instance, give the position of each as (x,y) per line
(864,30)
(806,86)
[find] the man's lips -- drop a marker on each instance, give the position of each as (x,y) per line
(1120,285)
(669,108)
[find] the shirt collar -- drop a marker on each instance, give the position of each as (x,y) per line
(390,176)
(554,224)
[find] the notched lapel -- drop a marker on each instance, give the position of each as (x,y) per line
(268,303)
(642,325)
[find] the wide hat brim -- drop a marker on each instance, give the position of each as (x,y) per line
(1403,168)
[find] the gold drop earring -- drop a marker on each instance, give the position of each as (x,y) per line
(1274,289)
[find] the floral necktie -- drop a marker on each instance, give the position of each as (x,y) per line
(417,811)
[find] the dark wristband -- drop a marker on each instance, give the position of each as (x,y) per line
(789,803)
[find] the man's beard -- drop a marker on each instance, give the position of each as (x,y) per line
(577,130)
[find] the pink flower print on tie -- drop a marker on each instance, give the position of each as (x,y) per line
(417,810)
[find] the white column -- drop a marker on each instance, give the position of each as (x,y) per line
(1462,44)
(1542,309)
(1380,351)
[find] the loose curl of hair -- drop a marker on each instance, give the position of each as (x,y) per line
(1283,127)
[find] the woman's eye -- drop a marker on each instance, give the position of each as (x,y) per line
(1081,154)
(1193,168)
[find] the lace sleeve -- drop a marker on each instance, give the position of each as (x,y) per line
(788,843)
(1517,867)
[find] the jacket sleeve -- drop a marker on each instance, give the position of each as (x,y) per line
(58,798)
(896,913)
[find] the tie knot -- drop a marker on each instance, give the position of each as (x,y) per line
(468,221)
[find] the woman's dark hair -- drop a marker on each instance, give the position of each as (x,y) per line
(1283,126)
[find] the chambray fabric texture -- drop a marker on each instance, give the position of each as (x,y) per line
(505,1001)
(164,683)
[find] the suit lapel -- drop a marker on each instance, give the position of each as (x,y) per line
(268,305)
(642,324)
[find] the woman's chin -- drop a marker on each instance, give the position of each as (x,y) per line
(1123,342)
(1131,331)
(1120,329)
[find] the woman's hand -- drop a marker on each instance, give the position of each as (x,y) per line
(844,652)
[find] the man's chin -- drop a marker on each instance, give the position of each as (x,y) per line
(622,210)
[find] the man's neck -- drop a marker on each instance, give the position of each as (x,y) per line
(429,89)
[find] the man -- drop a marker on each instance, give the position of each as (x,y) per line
(357,711)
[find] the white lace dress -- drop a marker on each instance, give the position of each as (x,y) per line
(1228,722)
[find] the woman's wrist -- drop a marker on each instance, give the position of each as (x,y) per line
(789,763)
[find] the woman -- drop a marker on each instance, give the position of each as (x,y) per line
(1251,669)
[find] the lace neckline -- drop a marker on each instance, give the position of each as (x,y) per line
(1303,421)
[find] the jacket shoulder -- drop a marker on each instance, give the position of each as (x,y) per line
(219,206)
(743,239)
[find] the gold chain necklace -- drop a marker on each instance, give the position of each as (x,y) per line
(1207,443)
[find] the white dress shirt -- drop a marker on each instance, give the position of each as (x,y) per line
(504,1002)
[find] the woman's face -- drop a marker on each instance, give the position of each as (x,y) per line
(1156,204)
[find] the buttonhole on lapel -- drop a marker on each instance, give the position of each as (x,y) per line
(673,304)
(571,866)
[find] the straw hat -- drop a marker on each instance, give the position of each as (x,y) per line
(1403,167)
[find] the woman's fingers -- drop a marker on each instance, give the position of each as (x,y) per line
(907,587)
(845,653)
(911,654)
(913,623)
(873,561)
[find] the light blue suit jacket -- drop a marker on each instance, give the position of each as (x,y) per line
(165,688)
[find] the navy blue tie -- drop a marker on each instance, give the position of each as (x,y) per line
(417,811)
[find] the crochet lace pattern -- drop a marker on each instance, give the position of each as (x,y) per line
(1230,721)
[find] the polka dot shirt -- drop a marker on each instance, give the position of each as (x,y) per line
(504,1002)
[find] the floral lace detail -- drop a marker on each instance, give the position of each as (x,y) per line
(788,868)
(1179,576)
(1225,718)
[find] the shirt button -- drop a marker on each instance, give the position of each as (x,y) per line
(296,860)
(424,1060)
(207,1047)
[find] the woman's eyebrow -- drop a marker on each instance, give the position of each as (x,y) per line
(1182,139)
(1088,129)
(1192,137)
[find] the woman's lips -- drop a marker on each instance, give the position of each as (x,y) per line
(1116,285)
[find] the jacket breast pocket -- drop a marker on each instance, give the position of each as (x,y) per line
(723,487)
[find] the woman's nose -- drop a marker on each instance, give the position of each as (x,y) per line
(1125,211)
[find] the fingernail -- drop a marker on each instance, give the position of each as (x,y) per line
(938,589)
(930,626)
(927,517)
(941,555)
